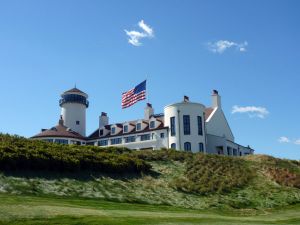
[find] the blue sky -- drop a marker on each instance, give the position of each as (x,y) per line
(248,50)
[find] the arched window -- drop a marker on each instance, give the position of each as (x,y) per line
(187,146)
(201,148)
(173,146)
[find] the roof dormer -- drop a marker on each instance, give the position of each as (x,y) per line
(116,129)
(103,131)
(128,127)
(140,125)
(154,123)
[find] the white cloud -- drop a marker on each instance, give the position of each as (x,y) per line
(136,36)
(297,142)
(252,111)
(284,139)
(146,28)
(222,45)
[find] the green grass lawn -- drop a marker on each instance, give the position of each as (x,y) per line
(17,209)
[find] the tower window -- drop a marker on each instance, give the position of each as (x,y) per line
(173,146)
(200,130)
(172,122)
(77,122)
(186,125)
(187,146)
(162,135)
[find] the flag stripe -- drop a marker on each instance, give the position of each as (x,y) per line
(134,95)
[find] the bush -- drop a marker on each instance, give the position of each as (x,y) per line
(213,173)
(17,153)
(163,155)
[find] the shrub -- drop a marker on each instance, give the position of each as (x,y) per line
(163,155)
(17,153)
(213,173)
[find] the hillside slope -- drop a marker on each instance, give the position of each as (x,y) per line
(194,181)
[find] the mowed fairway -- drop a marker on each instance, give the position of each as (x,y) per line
(59,210)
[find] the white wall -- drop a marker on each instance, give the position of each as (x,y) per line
(218,125)
(177,110)
(155,141)
(215,141)
(72,112)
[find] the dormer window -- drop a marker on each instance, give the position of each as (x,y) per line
(101,132)
(138,126)
(113,130)
(125,128)
(152,124)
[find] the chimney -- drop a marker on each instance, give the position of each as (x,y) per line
(216,99)
(186,98)
(149,111)
(61,121)
(103,120)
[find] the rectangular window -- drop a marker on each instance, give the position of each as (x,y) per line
(145,137)
(77,122)
(201,148)
(162,135)
(125,128)
(138,126)
(116,141)
(102,143)
(235,151)
(152,124)
(186,125)
(173,128)
(113,130)
(200,130)
(101,132)
(61,141)
(129,139)
(228,151)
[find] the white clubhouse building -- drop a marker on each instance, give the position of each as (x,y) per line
(185,125)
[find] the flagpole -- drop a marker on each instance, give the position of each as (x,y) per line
(147,93)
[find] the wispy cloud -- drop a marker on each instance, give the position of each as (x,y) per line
(297,142)
(136,36)
(284,139)
(222,45)
(252,111)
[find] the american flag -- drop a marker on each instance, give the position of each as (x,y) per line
(134,95)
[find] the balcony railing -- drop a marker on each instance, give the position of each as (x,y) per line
(74,99)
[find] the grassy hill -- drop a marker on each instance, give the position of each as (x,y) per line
(163,179)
